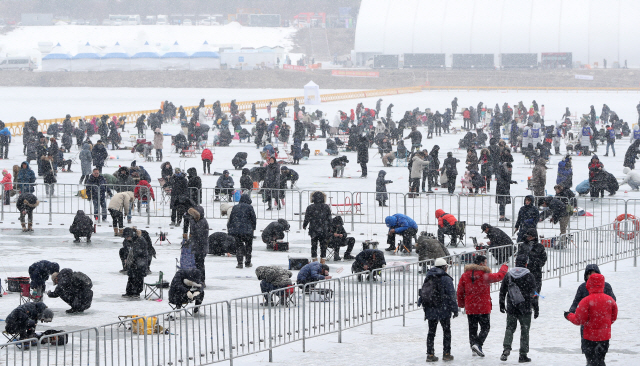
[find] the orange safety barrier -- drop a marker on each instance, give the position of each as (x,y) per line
(131,117)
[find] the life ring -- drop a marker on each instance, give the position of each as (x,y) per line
(623,234)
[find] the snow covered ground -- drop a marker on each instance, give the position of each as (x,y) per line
(100,259)
(24,40)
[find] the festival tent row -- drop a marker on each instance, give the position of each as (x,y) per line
(116,58)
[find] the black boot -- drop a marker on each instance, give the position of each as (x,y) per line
(247,261)
(523,358)
(239,263)
(391,248)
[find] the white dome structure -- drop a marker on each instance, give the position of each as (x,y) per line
(592,30)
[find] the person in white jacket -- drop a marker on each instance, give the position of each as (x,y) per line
(557,136)
(635,133)
(537,135)
(120,201)
(632,178)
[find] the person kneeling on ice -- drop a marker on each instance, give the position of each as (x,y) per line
(338,238)
(26,203)
(438,299)
(446,226)
(23,319)
(74,288)
(369,260)
(596,312)
(474,295)
(221,244)
(428,247)
(402,225)
(274,232)
(273,278)
(338,165)
(186,287)
(520,284)
(136,263)
(313,272)
(632,178)
(82,226)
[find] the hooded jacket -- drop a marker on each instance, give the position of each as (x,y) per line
(597,312)
(381,186)
(445,219)
(27,202)
(40,272)
(86,159)
(121,201)
(24,317)
(182,283)
(82,224)
(197,224)
(74,288)
(317,216)
(143,183)
(539,175)
(430,248)
(448,306)
(417,166)
(527,285)
(99,154)
(275,230)
(565,173)
(277,276)
(242,220)
(272,176)
(158,139)
(400,223)
(311,272)
(528,215)
(246,182)
(474,288)
(137,262)
(582,289)
(26,176)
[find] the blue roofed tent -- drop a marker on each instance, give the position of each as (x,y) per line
(115,58)
(87,59)
(147,58)
(205,58)
(58,59)
(174,59)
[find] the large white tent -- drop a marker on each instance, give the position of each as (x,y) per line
(312,94)
(147,58)
(115,58)
(87,59)
(58,59)
(205,58)
(592,30)
(174,59)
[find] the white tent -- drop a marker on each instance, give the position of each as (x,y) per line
(58,59)
(312,94)
(205,58)
(87,59)
(174,59)
(115,58)
(147,58)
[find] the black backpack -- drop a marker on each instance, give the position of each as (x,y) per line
(431,293)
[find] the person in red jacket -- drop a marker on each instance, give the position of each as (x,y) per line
(474,294)
(207,158)
(142,186)
(466,117)
(7,184)
(596,312)
(446,226)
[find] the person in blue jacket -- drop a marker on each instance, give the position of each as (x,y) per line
(313,272)
(5,140)
(402,225)
(440,311)
(565,173)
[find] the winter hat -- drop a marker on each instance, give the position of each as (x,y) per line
(440,262)
(531,232)
(47,315)
(521,261)
(4,171)
(485,227)
(127,232)
(178,170)
(325,267)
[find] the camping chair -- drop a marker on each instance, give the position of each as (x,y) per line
(143,200)
(165,192)
(25,294)
(154,289)
(402,160)
(461,227)
(285,297)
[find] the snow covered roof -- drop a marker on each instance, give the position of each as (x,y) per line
(501,26)
(58,53)
(206,51)
(86,52)
(116,51)
(175,51)
(146,51)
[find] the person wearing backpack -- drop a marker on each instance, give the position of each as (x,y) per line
(74,288)
(474,294)
(520,285)
(438,299)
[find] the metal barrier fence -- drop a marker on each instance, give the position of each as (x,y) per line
(354,207)
(224,330)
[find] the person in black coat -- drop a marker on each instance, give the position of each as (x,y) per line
(26,203)
(246,181)
(179,195)
(271,184)
(197,226)
(582,292)
(241,225)
(186,286)
(274,232)
(338,164)
(503,188)
(287,174)
(381,189)
(363,154)
(99,154)
(368,260)
(338,238)
(74,288)
(318,218)
(222,243)
(557,209)
(434,167)
(528,217)
(137,262)
(82,226)
(537,256)
(240,160)
(23,319)
(498,238)
(39,273)
(521,312)
(195,185)
(451,171)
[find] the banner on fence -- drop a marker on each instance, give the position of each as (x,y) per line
(294,67)
(357,74)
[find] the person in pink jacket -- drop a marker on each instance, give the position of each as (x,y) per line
(7,183)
